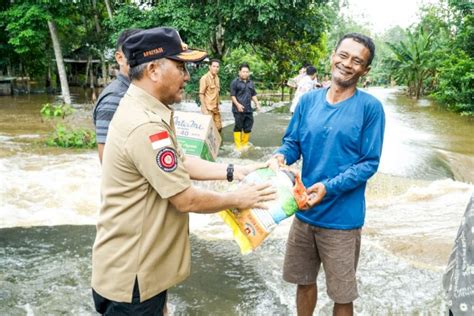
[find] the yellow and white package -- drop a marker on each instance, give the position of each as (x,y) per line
(251,226)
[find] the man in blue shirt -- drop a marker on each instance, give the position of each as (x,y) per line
(338,131)
(110,97)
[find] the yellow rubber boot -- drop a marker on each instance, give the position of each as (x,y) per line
(238,140)
(245,140)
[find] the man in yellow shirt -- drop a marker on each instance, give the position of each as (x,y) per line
(209,88)
(142,244)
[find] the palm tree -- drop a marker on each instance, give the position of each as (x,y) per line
(411,63)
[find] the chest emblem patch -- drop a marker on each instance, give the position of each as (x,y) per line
(166,159)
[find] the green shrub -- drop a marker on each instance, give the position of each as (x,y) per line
(192,87)
(71,138)
(455,82)
(56,110)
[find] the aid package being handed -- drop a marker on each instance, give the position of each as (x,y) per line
(250,227)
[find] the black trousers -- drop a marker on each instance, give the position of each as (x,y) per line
(153,306)
(243,121)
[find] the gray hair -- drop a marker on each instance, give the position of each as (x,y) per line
(137,72)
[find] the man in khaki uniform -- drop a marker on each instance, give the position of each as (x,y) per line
(142,243)
(209,88)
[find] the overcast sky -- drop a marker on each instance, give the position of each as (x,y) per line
(383,14)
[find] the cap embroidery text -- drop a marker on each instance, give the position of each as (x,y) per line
(154,51)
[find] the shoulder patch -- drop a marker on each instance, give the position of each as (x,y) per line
(160,140)
(166,159)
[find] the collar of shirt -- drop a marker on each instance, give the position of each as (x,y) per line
(150,103)
(211,75)
(123,79)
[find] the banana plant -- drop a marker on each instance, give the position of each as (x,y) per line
(411,61)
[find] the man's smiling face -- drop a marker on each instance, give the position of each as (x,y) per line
(349,63)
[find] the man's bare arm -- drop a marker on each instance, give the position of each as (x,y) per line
(198,200)
(200,169)
(239,106)
(257,104)
(100,148)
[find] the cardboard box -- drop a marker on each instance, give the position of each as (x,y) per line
(197,134)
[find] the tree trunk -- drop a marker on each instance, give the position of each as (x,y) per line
(47,81)
(96,18)
(28,85)
(109,9)
(105,77)
(60,63)
(218,47)
(419,85)
(86,77)
(94,96)
(283,91)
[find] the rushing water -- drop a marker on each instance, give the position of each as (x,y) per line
(415,204)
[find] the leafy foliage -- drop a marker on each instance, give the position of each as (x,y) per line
(287,33)
(70,138)
(441,63)
(28,35)
(56,110)
(24,22)
(261,70)
(411,61)
(456,82)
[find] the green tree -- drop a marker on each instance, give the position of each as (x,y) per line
(79,24)
(29,37)
(285,32)
(411,63)
(378,73)
(455,83)
(31,27)
(340,25)
(452,25)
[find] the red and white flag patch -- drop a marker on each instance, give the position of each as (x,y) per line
(160,140)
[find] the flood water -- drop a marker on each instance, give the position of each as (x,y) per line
(49,200)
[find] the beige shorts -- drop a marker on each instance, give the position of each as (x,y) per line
(338,250)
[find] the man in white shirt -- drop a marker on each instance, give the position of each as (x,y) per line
(307,83)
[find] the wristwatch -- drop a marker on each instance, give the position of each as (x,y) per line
(230,172)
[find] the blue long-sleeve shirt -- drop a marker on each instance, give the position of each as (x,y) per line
(341,146)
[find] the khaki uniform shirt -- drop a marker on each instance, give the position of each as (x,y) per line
(140,234)
(210,86)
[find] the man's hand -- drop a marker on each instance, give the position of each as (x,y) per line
(316,193)
(241,171)
(204,109)
(276,162)
(240,107)
(259,108)
(255,195)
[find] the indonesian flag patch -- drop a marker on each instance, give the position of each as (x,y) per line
(166,159)
(160,140)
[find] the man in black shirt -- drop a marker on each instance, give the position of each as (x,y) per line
(242,92)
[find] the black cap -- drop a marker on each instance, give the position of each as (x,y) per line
(156,43)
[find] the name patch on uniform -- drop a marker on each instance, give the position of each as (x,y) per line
(159,140)
(166,159)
